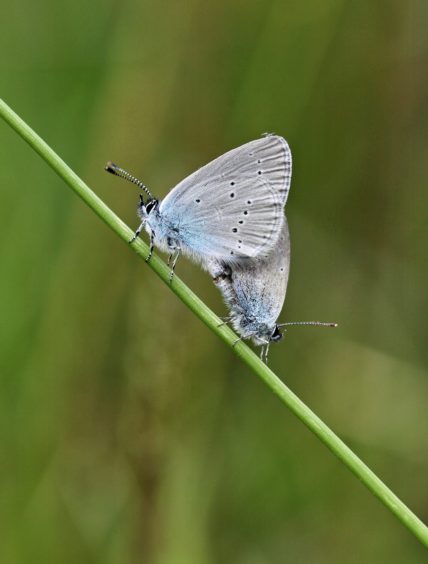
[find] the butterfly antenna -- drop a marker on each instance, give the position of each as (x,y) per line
(314,323)
(117,171)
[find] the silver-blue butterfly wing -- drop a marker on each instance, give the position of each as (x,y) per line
(232,208)
(255,289)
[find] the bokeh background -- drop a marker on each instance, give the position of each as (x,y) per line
(130,433)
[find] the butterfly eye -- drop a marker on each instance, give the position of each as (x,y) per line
(151,205)
(276,335)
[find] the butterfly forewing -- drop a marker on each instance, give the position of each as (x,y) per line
(232,208)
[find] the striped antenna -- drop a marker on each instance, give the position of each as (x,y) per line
(314,323)
(117,171)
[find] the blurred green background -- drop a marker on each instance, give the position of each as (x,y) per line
(130,433)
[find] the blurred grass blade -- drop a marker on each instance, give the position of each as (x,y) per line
(312,421)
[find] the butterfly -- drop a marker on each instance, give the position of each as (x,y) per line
(229,210)
(254,291)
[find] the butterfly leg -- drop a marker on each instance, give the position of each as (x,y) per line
(264,352)
(174,262)
(152,245)
(224,321)
(140,228)
(240,338)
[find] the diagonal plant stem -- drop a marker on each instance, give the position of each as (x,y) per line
(302,411)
